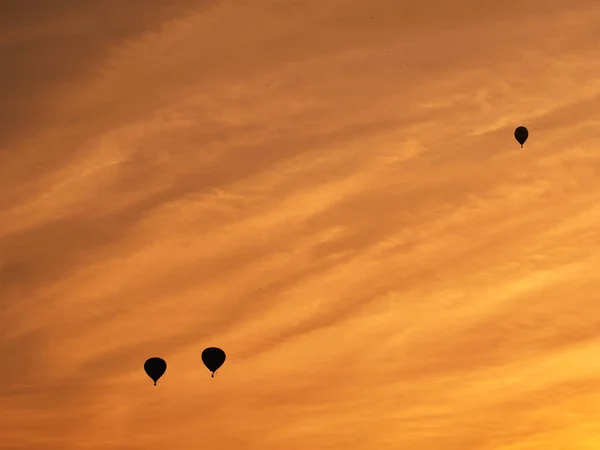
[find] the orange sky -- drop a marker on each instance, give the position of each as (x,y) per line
(328,190)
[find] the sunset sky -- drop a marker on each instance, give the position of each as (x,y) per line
(328,190)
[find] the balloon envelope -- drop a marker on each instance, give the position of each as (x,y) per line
(521,135)
(213,358)
(155,368)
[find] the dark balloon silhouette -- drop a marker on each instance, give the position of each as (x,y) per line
(155,368)
(521,135)
(213,358)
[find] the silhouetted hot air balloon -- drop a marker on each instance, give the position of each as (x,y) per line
(521,135)
(155,368)
(213,358)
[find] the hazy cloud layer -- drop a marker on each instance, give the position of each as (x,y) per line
(329,191)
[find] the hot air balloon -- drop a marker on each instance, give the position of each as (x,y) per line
(521,135)
(155,368)
(213,358)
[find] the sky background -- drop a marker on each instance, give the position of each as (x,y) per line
(328,190)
